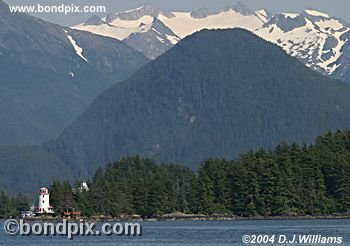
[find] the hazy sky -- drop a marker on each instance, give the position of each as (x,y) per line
(339,8)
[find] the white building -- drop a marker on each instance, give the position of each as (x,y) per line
(44,206)
(83,187)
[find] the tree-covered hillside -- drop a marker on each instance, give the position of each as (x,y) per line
(216,94)
(27,168)
(45,83)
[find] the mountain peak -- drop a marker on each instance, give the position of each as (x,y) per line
(263,14)
(153,39)
(241,8)
(144,8)
(286,21)
(298,33)
(94,21)
(135,14)
(157,21)
(194,99)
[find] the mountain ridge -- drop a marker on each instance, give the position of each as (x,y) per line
(125,24)
(153,39)
(190,104)
(323,45)
(50,74)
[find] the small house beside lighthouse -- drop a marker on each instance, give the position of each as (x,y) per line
(44,206)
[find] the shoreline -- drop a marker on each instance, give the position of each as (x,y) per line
(187,218)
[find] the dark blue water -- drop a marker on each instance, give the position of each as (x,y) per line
(196,233)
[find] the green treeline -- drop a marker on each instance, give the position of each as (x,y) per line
(291,180)
(11,206)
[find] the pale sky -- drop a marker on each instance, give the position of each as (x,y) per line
(339,8)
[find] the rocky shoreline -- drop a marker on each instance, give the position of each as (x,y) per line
(187,217)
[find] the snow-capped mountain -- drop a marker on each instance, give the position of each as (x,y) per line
(160,30)
(153,39)
(315,38)
(320,41)
(187,23)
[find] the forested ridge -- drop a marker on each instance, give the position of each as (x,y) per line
(290,180)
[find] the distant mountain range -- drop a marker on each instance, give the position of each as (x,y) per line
(177,25)
(319,40)
(216,94)
(50,74)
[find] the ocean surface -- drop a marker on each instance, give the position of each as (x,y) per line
(197,233)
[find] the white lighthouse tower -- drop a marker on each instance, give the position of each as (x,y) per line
(44,206)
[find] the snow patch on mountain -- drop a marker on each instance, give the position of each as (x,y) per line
(118,29)
(316,13)
(78,50)
(173,39)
